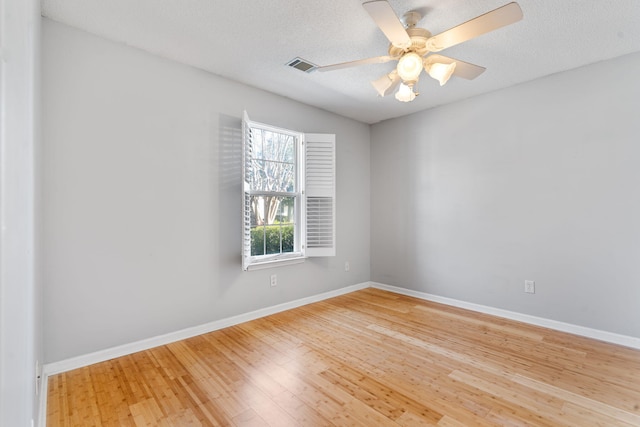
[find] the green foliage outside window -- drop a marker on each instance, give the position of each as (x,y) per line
(272,233)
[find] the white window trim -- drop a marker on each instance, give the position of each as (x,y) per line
(318,186)
(260,265)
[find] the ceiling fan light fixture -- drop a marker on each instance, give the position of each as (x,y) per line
(410,44)
(441,72)
(405,93)
(409,67)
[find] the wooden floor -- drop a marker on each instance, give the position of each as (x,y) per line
(369,358)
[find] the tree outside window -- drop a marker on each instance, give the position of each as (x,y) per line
(273,184)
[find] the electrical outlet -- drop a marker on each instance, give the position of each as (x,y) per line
(530,286)
(347,267)
(274,280)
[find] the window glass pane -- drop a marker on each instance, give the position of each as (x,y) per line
(258,175)
(257,143)
(272,176)
(277,146)
(272,225)
(257,241)
(273,164)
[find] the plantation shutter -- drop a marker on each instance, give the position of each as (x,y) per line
(247,156)
(320,195)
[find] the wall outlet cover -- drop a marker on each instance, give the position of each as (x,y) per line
(530,286)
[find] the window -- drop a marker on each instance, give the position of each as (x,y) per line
(288,195)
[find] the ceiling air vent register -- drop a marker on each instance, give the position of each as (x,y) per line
(302,65)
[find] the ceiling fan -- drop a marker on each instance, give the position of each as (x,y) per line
(411,45)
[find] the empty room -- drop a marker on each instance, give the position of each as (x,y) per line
(336,213)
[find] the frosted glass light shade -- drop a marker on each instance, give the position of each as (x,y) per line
(441,72)
(410,67)
(405,93)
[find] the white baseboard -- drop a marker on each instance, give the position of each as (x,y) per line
(597,334)
(125,349)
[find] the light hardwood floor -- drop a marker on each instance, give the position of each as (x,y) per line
(368,358)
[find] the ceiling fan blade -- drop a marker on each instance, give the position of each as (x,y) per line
(498,18)
(374,60)
(463,69)
(387,83)
(388,22)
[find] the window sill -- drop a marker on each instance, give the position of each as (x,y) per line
(259,265)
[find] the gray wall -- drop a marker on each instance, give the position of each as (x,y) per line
(141,196)
(535,182)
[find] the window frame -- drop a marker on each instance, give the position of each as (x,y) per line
(267,260)
(320,185)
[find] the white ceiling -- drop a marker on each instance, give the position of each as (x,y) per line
(250,41)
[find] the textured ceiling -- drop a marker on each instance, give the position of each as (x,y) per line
(250,41)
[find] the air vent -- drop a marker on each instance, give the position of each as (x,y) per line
(302,65)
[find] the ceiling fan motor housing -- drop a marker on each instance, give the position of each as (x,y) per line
(419,37)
